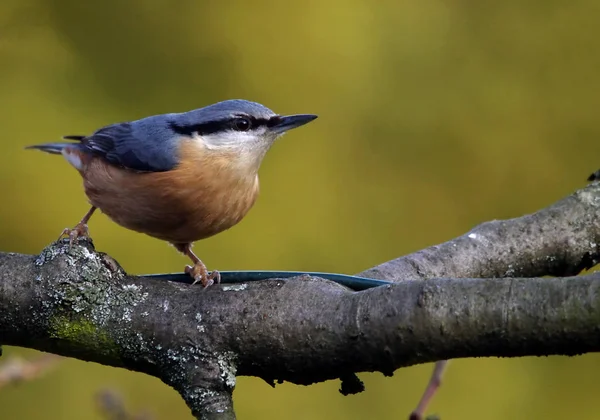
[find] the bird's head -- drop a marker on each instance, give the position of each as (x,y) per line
(238,128)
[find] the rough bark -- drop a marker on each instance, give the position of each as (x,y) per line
(80,303)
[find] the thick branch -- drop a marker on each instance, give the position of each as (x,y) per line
(132,320)
(80,303)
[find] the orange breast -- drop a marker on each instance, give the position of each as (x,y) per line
(203,196)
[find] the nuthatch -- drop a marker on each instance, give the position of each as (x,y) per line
(177,177)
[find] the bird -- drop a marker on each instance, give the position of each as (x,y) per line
(178,177)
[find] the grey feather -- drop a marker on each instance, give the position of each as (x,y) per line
(224,110)
(145,145)
(151,144)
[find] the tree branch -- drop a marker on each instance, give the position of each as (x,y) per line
(80,303)
(560,240)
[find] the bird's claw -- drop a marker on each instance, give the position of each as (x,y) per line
(200,275)
(79,231)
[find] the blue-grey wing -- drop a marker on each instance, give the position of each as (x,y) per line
(133,147)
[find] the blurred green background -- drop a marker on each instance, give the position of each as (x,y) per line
(434,117)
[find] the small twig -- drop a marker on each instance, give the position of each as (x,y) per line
(434,383)
(17,369)
(112,405)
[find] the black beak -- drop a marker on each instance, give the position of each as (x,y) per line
(285,123)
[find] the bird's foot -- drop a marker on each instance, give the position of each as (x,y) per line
(79,231)
(200,274)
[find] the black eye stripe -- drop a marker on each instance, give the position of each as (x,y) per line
(273,121)
(212,127)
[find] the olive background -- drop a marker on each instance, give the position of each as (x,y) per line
(434,116)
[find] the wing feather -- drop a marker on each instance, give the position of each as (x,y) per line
(133,148)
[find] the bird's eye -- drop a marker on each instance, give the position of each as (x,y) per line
(242,124)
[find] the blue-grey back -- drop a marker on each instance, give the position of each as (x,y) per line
(149,147)
(150,144)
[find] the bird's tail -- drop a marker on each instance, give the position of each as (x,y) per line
(73,152)
(54,148)
(594,177)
